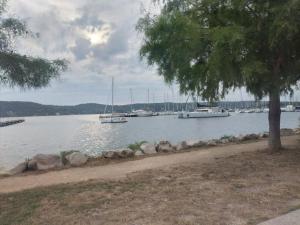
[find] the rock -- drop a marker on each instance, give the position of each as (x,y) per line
(233,139)
(228,139)
(32,165)
(148,149)
(286,132)
(182,146)
(64,155)
(165,146)
(77,159)
(212,143)
(297,131)
(127,153)
(224,141)
(21,168)
(264,135)
(164,142)
(138,153)
(250,137)
(195,144)
(47,162)
(110,155)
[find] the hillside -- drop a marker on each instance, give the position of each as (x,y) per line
(17,109)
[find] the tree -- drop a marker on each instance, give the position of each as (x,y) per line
(22,70)
(213,46)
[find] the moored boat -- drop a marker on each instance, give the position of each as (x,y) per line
(143,113)
(204,113)
(113,117)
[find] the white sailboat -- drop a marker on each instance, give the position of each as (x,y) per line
(112,118)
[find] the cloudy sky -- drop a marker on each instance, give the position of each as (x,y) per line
(99,39)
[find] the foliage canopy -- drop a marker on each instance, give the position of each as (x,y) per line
(22,70)
(212,46)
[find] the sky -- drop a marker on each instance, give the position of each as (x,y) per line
(99,39)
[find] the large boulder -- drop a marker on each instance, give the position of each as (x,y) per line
(212,143)
(182,146)
(32,165)
(196,144)
(110,154)
(148,149)
(21,168)
(46,162)
(126,153)
(233,139)
(165,146)
(138,153)
(250,137)
(297,131)
(228,139)
(224,141)
(264,135)
(286,132)
(77,159)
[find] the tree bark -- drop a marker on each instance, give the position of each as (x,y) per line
(274,122)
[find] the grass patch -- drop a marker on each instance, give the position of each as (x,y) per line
(136,146)
(226,137)
(22,207)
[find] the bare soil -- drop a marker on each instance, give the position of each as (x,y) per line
(230,185)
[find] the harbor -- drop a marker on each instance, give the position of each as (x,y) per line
(53,134)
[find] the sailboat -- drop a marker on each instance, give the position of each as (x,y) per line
(112,118)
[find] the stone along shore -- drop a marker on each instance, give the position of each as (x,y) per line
(42,162)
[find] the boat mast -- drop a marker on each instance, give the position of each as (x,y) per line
(148,96)
(112,96)
(131,100)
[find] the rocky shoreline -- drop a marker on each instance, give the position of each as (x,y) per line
(42,162)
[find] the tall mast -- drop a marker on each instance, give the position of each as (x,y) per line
(148,93)
(131,99)
(112,96)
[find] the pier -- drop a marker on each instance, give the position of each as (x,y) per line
(11,122)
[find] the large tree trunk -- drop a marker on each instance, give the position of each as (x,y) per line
(274,122)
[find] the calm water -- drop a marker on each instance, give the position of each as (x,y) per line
(87,134)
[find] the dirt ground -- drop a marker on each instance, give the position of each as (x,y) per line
(243,188)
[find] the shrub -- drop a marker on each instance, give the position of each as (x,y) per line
(136,146)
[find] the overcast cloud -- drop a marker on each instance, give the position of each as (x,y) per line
(99,39)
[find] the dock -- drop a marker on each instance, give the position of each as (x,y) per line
(11,122)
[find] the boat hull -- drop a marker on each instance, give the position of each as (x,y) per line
(193,115)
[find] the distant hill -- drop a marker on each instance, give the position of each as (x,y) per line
(17,109)
(20,109)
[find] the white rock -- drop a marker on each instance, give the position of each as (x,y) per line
(195,143)
(165,146)
(138,153)
(126,153)
(148,149)
(110,154)
(182,146)
(47,162)
(264,135)
(212,143)
(77,159)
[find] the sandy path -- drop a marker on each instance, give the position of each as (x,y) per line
(121,170)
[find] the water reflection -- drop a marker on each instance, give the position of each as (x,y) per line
(87,134)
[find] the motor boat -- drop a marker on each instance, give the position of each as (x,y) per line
(143,113)
(204,113)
